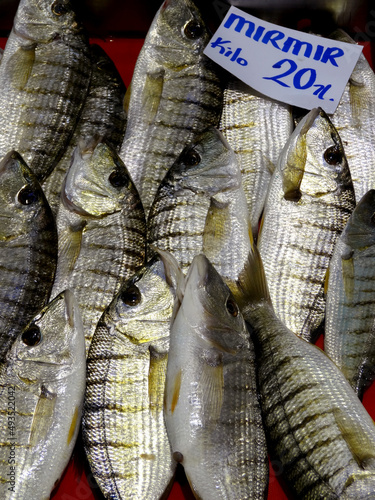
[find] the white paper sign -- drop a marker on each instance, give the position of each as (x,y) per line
(288,65)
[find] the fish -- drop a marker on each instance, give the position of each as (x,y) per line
(123,425)
(42,384)
(350,311)
(101,228)
(354,120)
(212,412)
(102,115)
(200,207)
(44,76)
(318,432)
(28,248)
(257,129)
(309,201)
(175,93)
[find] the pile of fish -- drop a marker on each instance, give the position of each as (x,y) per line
(168,256)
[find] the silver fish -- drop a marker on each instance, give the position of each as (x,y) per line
(44,76)
(42,385)
(354,120)
(201,207)
(28,248)
(123,424)
(349,325)
(102,115)
(212,410)
(309,201)
(101,227)
(175,93)
(257,129)
(317,429)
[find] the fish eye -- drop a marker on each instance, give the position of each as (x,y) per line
(193,30)
(27,196)
(232,307)
(333,155)
(32,336)
(118,179)
(59,8)
(131,296)
(191,157)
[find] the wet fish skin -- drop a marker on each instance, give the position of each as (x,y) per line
(123,423)
(317,429)
(102,115)
(257,129)
(101,227)
(44,76)
(309,201)
(41,394)
(28,248)
(200,207)
(354,120)
(175,94)
(349,324)
(212,410)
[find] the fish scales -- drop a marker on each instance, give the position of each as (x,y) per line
(212,411)
(200,207)
(317,429)
(102,115)
(42,386)
(354,119)
(45,73)
(257,129)
(28,242)
(123,425)
(101,227)
(309,201)
(175,94)
(349,324)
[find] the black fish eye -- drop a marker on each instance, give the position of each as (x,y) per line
(118,179)
(131,296)
(193,29)
(31,336)
(232,307)
(191,157)
(333,155)
(27,196)
(59,8)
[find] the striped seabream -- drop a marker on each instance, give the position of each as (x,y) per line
(42,384)
(318,431)
(44,77)
(102,115)
(123,423)
(28,248)
(212,410)
(201,207)
(101,228)
(350,313)
(309,201)
(257,129)
(175,93)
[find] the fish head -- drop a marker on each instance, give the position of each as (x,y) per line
(45,20)
(210,309)
(313,161)
(21,197)
(207,166)
(52,346)
(97,183)
(142,309)
(359,232)
(178,28)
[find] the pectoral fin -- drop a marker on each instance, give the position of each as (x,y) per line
(152,92)
(70,247)
(43,417)
(156,382)
(211,389)
(20,65)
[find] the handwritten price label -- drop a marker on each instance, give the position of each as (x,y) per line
(293,67)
